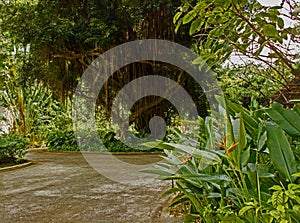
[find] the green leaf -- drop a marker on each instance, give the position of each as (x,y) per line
(281,153)
(155,144)
(263,172)
(262,141)
(210,142)
(190,218)
(205,177)
(169,192)
(251,123)
(157,172)
(178,199)
(197,152)
(176,17)
(244,210)
(238,129)
(294,187)
(270,30)
(280,22)
(245,157)
(257,52)
(242,134)
(291,194)
(276,187)
(229,132)
(296,175)
(195,26)
(179,23)
(281,209)
(194,200)
(287,119)
(189,16)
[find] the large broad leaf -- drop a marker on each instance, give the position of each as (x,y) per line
(251,123)
(280,152)
(160,173)
(237,128)
(192,197)
(242,140)
(210,142)
(215,178)
(287,119)
(210,156)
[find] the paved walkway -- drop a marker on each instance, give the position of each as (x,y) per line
(62,187)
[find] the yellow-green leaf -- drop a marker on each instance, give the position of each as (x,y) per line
(195,26)
(189,17)
(270,30)
(244,210)
(176,17)
(281,153)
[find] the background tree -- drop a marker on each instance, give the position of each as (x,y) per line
(249,30)
(64,37)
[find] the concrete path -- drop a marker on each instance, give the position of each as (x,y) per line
(62,187)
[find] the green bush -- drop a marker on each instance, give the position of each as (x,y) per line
(283,205)
(249,174)
(110,143)
(248,81)
(31,105)
(12,148)
(63,140)
(60,136)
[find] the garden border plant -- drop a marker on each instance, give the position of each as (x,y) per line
(250,174)
(12,149)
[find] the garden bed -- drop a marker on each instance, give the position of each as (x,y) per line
(8,162)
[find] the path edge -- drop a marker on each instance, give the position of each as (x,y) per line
(18,166)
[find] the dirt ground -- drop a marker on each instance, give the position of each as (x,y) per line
(63,187)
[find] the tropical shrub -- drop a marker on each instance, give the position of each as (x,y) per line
(30,104)
(249,82)
(284,205)
(233,177)
(12,148)
(63,140)
(59,133)
(61,136)
(111,143)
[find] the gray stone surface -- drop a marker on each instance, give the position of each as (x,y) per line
(62,187)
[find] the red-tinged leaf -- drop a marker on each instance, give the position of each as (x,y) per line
(231,148)
(224,139)
(220,145)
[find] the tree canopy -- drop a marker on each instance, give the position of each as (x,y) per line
(63,37)
(250,30)
(55,41)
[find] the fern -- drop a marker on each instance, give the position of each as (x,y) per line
(284,203)
(276,198)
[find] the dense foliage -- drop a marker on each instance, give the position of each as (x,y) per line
(243,165)
(60,39)
(268,35)
(12,149)
(247,173)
